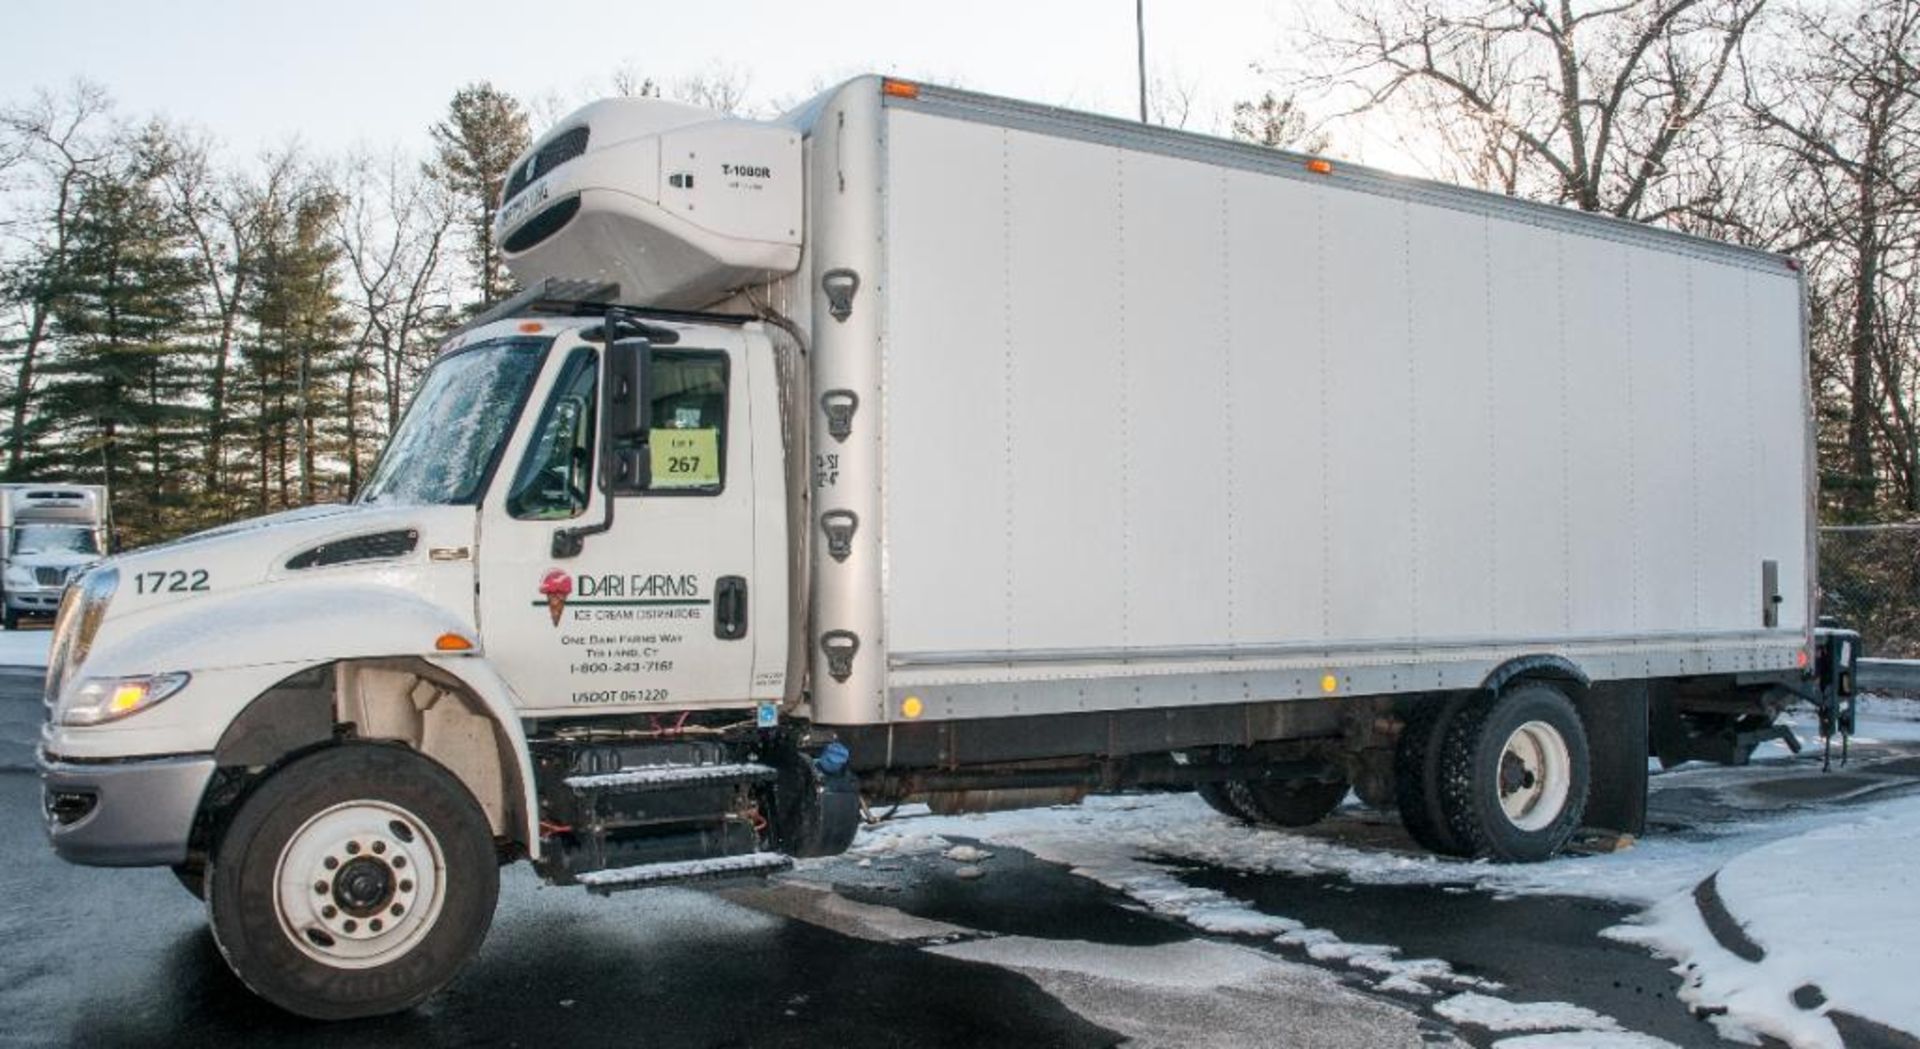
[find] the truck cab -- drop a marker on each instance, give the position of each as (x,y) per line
(49,535)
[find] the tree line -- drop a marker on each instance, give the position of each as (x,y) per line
(215,340)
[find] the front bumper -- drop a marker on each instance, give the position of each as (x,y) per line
(34,602)
(133,813)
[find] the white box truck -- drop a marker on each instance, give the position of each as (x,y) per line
(922,444)
(49,534)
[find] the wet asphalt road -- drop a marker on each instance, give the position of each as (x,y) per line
(123,957)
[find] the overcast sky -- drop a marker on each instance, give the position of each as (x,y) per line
(340,73)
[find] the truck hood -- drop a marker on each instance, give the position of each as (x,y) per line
(54,559)
(299,569)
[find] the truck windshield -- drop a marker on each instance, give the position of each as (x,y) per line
(447,443)
(54,539)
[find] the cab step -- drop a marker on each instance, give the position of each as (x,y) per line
(640,779)
(652,875)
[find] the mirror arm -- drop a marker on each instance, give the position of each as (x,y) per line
(568,542)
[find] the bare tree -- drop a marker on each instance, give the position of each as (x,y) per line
(722,89)
(394,233)
(1277,123)
(213,208)
(1171,97)
(61,139)
(1839,100)
(1598,107)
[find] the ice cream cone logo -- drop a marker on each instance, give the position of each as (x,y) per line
(555,586)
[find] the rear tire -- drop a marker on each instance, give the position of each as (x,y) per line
(1224,800)
(1282,803)
(1416,774)
(1514,774)
(354,882)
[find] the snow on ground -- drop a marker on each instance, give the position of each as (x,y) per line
(1126,843)
(24,648)
(1137,845)
(1498,1014)
(1833,907)
(1162,995)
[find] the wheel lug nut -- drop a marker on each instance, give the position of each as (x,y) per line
(374,925)
(328,911)
(399,862)
(351,925)
(353,848)
(379,847)
(396,910)
(330,863)
(406,885)
(320,887)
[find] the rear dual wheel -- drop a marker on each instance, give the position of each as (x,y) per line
(1282,803)
(1495,776)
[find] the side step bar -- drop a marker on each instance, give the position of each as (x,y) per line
(719,868)
(643,778)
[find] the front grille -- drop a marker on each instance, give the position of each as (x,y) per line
(374,546)
(50,576)
(564,147)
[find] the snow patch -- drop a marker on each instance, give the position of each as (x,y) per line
(1585,1040)
(967,854)
(1832,907)
(1234,996)
(24,648)
(1498,1014)
(1117,841)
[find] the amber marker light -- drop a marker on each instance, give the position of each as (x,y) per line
(1320,167)
(1800,657)
(452,643)
(899,89)
(126,698)
(532,327)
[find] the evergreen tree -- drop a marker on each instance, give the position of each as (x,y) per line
(485,129)
(121,402)
(297,363)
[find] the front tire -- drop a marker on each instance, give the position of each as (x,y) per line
(356,881)
(1514,774)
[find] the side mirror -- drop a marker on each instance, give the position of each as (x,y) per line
(625,403)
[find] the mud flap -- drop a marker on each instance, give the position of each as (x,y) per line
(1614,714)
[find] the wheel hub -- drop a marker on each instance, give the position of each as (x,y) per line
(364,886)
(359,884)
(1535,774)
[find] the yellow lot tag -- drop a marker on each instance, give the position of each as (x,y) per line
(685,458)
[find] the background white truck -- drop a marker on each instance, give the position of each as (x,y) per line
(49,533)
(925,444)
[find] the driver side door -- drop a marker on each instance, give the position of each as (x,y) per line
(629,622)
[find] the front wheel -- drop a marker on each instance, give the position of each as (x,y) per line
(355,882)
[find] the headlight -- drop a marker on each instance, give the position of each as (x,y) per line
(82,608)
(100,700)
(20,577)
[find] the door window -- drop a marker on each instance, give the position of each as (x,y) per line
(556,477)
(687,440)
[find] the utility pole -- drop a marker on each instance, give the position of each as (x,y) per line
(1140,38)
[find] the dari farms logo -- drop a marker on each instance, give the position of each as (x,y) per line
(556,586)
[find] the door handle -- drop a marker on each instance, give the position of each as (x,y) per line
(730,607)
